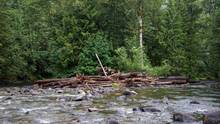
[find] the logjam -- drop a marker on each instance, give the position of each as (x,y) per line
(133,79)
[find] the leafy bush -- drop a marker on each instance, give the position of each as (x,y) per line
(129,59)
(96,44)
(159,70)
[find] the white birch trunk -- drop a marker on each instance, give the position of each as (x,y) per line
(141,39)
(141,32)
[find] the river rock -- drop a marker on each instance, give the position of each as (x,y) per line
(112,121)
(92,109)
(179,117)
(194,102)
(146,109)
(135,109)
(149,109)
(212,118)
(34,92)
(25,90)
(59,91)
(7,98)
(80,97)
(129,93)
(8,91)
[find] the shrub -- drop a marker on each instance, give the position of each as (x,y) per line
(88,63)
(129,59)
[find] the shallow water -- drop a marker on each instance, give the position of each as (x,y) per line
(49,107)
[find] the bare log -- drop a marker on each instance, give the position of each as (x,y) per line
(132,79)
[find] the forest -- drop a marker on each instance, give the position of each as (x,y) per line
(59,38)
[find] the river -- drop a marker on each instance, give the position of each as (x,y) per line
(152,105)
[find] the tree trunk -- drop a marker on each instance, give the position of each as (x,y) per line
(140,19)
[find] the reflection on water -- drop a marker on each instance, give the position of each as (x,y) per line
(47,108)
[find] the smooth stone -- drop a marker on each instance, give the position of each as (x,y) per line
(59,91)
(92,109)
(149,109)
(78,98)
(135,109)
(179,117)
(81,96)
(26,90)
(129,93)
(8,91)
(12,94)
(112,122)
(61,99)
(7,98)
(212,118)
(146,109)
(26,113)
(34,92)
(194,102)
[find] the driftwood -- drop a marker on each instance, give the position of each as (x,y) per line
(105,73)
(133,79)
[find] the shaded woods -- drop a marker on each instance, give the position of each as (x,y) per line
(59,38)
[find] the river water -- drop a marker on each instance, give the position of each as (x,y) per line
(49,106)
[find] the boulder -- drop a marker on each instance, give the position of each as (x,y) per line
(179,117)
(146,109)
(212,118)
(7,98)
(80,97)
(129,92)
(92,109)
(112,121)
(194,102)
(59,91)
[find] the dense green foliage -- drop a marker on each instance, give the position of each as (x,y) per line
(59,38)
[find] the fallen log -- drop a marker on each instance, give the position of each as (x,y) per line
(132,79)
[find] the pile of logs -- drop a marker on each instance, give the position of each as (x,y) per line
(125,79)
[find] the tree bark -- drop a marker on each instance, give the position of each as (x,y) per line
(140,19)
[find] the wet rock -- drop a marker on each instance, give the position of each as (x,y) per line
(7,98)
(129,93)
(146,109)
(135,109)
(143,109)
(26,90)
(212,118)
(92,109)
(27,112)
(34,92)
(179,117)
(194,102)
(89,95)
(60,91)
(80,97)
(8,91)
(12,94)
(112,121)
(61,99)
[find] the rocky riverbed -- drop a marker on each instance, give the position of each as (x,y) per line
(151,105)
